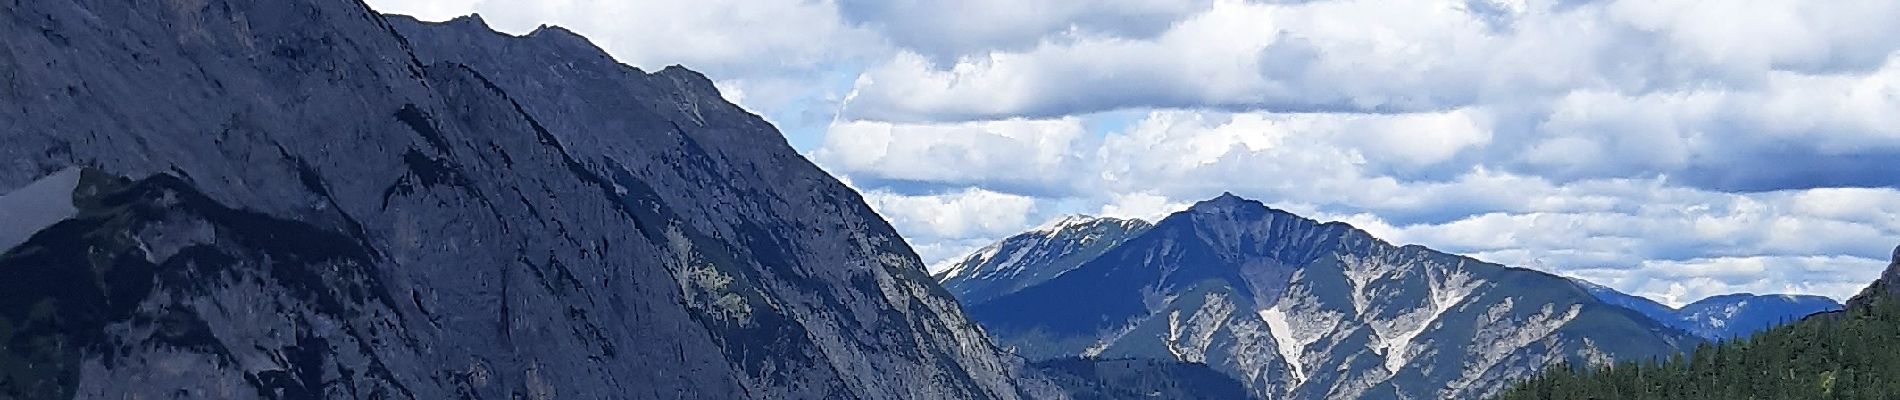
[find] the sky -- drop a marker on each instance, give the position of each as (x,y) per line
(1672,149)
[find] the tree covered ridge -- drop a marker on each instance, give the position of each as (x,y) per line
(1851,354)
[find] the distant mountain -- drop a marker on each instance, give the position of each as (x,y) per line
(1032,257)
(1721,317)
(1296,308)
(1737,315)
(1642,305)
(1846,354)
(304,199)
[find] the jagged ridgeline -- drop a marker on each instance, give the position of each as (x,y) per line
(305,199)
(1849,354)
(1292,307)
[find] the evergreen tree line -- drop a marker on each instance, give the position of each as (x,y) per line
(1852,354)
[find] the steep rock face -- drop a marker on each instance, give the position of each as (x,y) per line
(1032,257)
(322,206)
(807,242)
(1721,317)
(1887,286)
(1297,308)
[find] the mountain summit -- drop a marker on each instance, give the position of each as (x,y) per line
(1298,308)
(1032,257)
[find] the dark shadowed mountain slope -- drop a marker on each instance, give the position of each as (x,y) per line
(325,203)
(1136,379)
(1642,305)
(1846,354)
(1297,308)
(1721,317)
(1032,257)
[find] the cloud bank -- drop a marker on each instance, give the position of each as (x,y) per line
(1670,149)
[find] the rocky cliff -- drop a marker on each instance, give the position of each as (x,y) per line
(305,199)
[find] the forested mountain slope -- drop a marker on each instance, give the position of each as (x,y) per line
(1849,354)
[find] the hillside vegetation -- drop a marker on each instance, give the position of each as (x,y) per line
(1852,354)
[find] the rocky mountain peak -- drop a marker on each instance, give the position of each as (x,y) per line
(1036,255)
(1297,308)
(1226,202)
(1073,222)
(1231,208)
(473,21)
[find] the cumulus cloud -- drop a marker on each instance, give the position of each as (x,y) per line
(1003,155)
(1141,205)
(945,30)
(1701,91)
(1382,56)
(1634,233)
(946,225)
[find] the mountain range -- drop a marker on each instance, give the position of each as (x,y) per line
(1722,317)
(306,199)
(1274,299)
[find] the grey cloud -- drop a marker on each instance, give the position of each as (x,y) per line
(944,30)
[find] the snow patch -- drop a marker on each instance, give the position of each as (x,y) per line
(37,206)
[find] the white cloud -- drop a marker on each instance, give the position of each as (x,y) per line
(1645,82)
(1012,153)
(1074,76)
(963,214)
(946,30)
(943,227)
(1332,166)
(1141,205)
